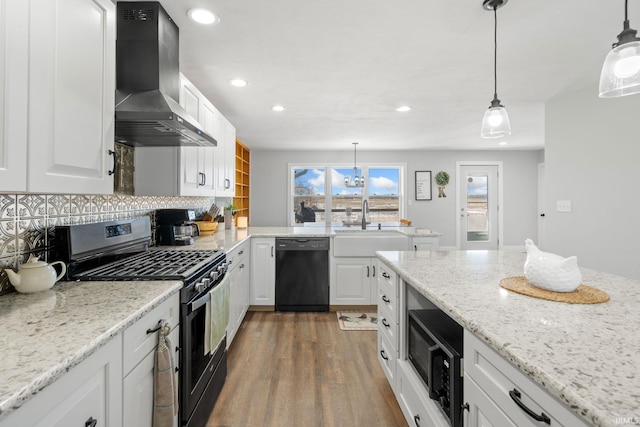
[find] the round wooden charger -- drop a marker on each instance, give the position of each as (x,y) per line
(582,295)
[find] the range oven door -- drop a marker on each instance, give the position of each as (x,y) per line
(197,367)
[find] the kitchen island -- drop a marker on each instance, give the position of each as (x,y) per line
(584,355)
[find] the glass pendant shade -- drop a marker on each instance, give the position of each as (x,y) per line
(621,71)
(495,123)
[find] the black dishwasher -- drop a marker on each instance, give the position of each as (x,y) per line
(302,274)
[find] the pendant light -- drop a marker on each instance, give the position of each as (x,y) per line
(356,181)
(496,120)
(621,70)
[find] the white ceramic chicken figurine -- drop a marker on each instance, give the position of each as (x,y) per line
(550,271)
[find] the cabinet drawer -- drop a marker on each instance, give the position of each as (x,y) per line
(388,326)
(388,357)
(388,280)
(236,255)
(389,303)
(137,343)
(497,378)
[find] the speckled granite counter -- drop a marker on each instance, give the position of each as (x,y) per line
(47,333)
(226,239)
(584,355)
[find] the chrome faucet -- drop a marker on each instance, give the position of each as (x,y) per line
(365,208)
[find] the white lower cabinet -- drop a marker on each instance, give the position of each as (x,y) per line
(483,412)
(498,392)
(139,345)
(90,392)
(355,281)
(427,243)
(418,409)
(263,271)
(137,388)
(239,294)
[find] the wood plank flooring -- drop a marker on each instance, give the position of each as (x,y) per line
(300,369)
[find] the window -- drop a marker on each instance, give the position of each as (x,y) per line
(309,195)
(321,196)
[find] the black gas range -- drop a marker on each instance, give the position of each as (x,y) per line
(119,250)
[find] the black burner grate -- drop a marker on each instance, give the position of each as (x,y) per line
(154,265)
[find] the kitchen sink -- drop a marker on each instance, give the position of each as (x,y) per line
(365,243)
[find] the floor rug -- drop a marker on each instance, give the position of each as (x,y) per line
(357,320)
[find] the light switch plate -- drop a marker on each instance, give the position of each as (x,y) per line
(563,205)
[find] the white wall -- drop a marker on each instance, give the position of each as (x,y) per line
(592,158)
(269,175)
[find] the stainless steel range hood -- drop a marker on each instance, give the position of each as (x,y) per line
(148,81)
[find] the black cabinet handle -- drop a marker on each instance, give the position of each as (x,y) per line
(241,252)
(385,299)
(374,271)
(271,251)
(385,275)
(202,179)
(227,183)
(241,266)
(91,422)
(367,271)
(515,396)
(385,323)
(542,215)
(115,162)
(156,329)
(416,419)
(384,355)
(415,247)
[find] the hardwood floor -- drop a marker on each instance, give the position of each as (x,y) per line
(300,369)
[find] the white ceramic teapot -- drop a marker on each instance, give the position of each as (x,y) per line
(35,276)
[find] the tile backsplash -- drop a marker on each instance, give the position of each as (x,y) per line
(27,221)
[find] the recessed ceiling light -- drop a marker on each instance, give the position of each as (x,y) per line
(503,143)
(278,108)
(203,16)
(403,109)
(239,83)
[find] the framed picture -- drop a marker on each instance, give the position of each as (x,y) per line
(423,185)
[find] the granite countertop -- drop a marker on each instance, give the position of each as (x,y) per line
(584,355)
(47,333)
(227,239)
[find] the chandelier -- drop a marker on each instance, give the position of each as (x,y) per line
(356,181)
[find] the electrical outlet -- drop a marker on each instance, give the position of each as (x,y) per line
(563,206)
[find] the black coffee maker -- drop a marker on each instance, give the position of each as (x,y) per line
(176,227)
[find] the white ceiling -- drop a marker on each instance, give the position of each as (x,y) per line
(341,67)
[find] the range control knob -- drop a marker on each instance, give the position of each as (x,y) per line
(200,287)
(214,275)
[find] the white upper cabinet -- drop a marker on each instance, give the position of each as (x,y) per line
(71,96)
(14,27)
(225,160)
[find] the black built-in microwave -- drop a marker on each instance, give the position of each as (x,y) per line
(435,352)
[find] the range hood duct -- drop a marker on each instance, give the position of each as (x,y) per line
(148,81)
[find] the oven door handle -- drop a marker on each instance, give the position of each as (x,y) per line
(193,306)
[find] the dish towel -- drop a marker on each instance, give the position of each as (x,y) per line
(219,313)
(165,397)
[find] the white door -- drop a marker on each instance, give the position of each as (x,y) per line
(541,207)
(478,206)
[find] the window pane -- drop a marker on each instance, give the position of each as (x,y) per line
(308,198)
(384,199)
(346,203)
(477,207)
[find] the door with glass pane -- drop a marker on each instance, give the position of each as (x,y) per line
(478,203)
